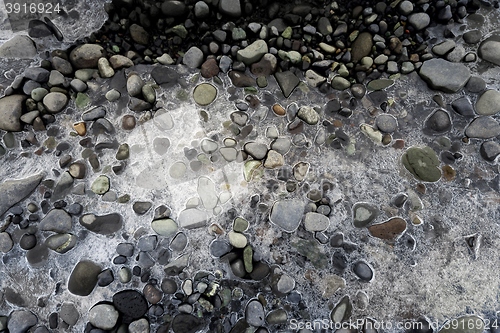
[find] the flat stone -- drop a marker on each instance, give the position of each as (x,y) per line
(164,75)
(254,313)
(204,94)
(13,191)
(253,52)
(277,317)
(19,47)
(363,214)
(386,123)
(20,321)
(287,82)
(316,222)
(380,84)
(423,163)
(94,113)
(56,220)
(139,326)
(314,79)
(209,68)
(287,214)
(489,50)
(488,103)
(236,239)
(281,145)
(55,102)
(444,75)
(342,311)
(257,150)
(389,230)
(141,207)
(192,218)
(484,127)
(472,36)
(118,61)
(340,83)
(11,110)
(103,316)
(83,278)
(463,106)
(102,224)
(86,55)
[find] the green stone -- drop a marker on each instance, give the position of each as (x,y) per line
(380,84)
(123,198)
(311,250)
(287,33)
(100,185)
(423,163)
(240,224)
(149,93)
(123,152)
(251,90)
(10,140)
(82,100)
(115,48)
(180,31)
(247,258)
(164,227)
(50,143)
(262,81)
(204,94)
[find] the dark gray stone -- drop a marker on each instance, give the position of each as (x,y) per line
(490,150)
(20,321)
(13,191)
(83,278)
(287,214)
(483,128)
(287,82)
(463,106)
(444,75)
(103,224)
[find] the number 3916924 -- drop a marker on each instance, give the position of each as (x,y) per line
(32,8)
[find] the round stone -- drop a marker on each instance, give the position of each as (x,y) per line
(55,101)
(103,316)
(363,271)
(204,94)
(100,185)
(164,227)
(386,123)
(423,163)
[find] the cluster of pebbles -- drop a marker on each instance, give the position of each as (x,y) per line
(283,91)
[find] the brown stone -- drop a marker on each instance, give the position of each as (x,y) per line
(389,230)
(128,122)
(209,68)
(279,110)
(80,128)
(152,294)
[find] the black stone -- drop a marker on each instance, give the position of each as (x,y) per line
(187,323)
(363,271)
(463,107)
(164,75)
(437,123)
(131,304)
(105,278)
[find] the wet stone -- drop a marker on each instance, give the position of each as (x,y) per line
(237,239)
(125,249)
(102,224)
(254,313)
(489,50)
(257,150)
(490,150)
(141,207)
(56,220)
(287,214)
(26,242)
(204,94)
(363,214)
(147,243)
(100,185)
(422,163)
(287,82)
(105,278)
(187,323)
(277,317)
(83,278)
(342,311)
(463,106)
(192,218)
(488,103)
(438,122)
(131,304)
(21,321)
(308,115)
(444,75)
(179,242)
(164,75)
(484,127)
(61,243)
(218,248)
(363,271)
(389,230)
(69,314)
(386,123)
(316,222)
(168,286)
(103,316)
(6,242)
